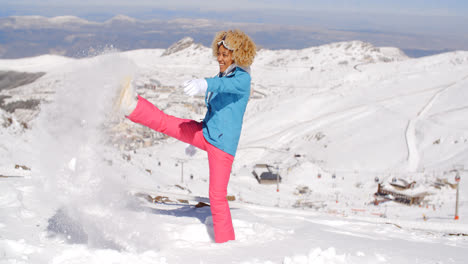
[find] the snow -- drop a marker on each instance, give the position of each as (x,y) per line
(35,64)
(330,119)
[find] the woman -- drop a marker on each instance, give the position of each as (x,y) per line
(226,97)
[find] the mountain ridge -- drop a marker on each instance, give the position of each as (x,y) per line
(328,89)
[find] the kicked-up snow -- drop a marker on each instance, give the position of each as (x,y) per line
(332,120)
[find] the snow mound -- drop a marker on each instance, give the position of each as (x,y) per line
(179,45)
(81,254)
(43,63)
(317,256)
(392,52)
(247,232)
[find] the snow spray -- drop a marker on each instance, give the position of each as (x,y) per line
(74,170)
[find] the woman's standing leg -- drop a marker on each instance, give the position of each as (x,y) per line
(220,164)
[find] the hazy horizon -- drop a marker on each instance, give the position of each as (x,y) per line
(420,26)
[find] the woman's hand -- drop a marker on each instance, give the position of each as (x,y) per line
(195,86)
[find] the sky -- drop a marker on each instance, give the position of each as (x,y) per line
(414,7)
(419,4)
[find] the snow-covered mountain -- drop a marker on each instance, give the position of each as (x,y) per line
(332,120)
(40,22)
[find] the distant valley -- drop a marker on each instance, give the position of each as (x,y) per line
(28,36)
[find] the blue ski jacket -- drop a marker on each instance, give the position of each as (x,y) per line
(226,99)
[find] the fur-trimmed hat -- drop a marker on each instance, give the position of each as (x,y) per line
(242,47)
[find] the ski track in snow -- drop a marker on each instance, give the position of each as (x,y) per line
(309,125)
(411,138)
(355,111)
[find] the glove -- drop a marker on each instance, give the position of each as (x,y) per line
(195,86)
(190,150)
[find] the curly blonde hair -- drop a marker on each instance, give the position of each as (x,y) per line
(243,48)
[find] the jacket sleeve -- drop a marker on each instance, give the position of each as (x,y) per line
(238,84)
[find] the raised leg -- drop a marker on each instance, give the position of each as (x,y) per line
(186,130)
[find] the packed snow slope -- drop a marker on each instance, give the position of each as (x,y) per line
(333,120)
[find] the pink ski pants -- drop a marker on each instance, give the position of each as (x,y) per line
(220,162)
